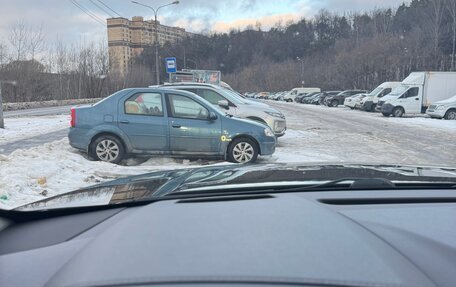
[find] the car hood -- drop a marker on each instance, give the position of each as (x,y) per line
(164,183)
(263,106)
(389,97)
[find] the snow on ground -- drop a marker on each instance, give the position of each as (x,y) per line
(53,168)
(422,120)
(21,128)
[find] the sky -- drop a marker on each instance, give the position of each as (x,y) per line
(62,20)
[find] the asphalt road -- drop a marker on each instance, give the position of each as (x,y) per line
(33,141)
(38,112)
(356,136)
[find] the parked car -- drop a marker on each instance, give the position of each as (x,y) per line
(309,98)
(232,103)
(445,109)
(165,121)
(370,101)
(291,95)
(302,97)
(334,101)
(354,101)
(417,92)
(315,100)
(322,97)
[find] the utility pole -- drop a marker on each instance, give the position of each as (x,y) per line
(157,61)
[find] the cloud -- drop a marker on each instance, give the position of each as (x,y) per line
(63,20)
(266,22)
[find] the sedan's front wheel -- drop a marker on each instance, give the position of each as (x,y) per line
(242,150)
(108,148)
(450,115)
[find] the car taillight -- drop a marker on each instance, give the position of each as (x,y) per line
(73,118)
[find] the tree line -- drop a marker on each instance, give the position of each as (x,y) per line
(330,50)
(336,51)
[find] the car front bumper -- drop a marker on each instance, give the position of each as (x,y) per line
(277,125)
(367,106)
(436,113)
(268,147)
(387,108)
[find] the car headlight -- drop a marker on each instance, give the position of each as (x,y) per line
(268,132)
(274,114)
(440,107)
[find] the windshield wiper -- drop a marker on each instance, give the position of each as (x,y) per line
(334,185)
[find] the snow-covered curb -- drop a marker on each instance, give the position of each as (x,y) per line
(45,104)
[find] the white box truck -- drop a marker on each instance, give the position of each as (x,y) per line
(370,101)
(417,92)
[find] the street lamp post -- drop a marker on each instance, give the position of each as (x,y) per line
(302,70)
(157,72)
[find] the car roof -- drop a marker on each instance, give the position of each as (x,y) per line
(191,84)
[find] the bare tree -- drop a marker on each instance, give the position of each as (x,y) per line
(18,37)
(435,16)
(35,41)
(451,6)
(3,53)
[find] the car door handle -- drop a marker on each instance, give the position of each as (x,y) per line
(176,126)
(416,99)
(124,122)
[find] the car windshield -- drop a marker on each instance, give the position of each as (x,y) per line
(399,90)
(375,92)
(97,95)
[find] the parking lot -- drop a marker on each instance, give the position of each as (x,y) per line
(356,136)
(315,134)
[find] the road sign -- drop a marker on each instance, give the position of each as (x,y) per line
(171,66)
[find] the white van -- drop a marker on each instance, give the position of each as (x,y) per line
(417,92)
(370,101)
(291,95)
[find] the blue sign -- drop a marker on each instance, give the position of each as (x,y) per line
(171,66)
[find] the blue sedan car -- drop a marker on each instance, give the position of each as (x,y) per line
(165,122)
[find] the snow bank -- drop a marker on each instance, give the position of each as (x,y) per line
(45,104)
(50,169)
(20,128)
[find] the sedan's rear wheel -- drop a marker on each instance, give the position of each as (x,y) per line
(334,103)
(242,150)
(108,148)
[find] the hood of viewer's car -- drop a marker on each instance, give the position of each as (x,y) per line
(162,183)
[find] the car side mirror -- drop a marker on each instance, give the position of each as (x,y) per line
(212,116)
(224,104)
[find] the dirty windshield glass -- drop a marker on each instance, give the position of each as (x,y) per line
(104,93)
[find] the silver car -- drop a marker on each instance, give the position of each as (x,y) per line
(235,104)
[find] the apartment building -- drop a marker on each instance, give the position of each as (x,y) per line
(127,39)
